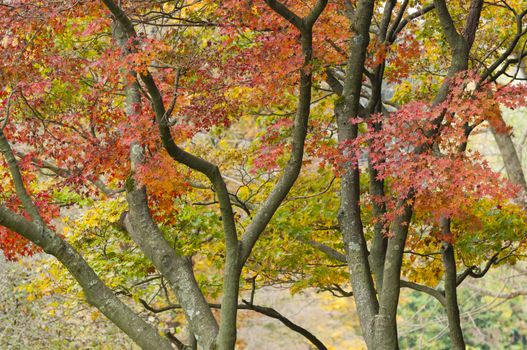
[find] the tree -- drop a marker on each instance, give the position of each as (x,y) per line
(139,221)
(144,98)
(426,140)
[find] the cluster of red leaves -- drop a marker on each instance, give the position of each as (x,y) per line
(445,180)
(268,54)
(56,121)
(419,150)
(400,55)
(165,182)
(273,145)
(12,244)
(88,135)
(65,72)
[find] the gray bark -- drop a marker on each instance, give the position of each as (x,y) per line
(460,45)
(294,164)
(349,212)
(380,241)
(385,326)
(510,157)
(145,233)
(175,268)
(96,292)
(386,321)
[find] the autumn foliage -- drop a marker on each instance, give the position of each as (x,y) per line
(229,76)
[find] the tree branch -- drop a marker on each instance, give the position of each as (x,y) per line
(425,289)
(267,311)
(317,10)
(449,29)
(475,271)
(286,13)
(471,24)
(520,31)
(270,312)
(332,253)
(20,187)
(392,33)
(294,164)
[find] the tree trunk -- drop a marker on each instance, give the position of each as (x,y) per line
(350,212)
(508,152)
(452,308)
(385,336)
(96,292)
(145,233)
(175,268)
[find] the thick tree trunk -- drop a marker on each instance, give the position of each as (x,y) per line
(451,304)
(353,236)
(385,336)
(237,251)
(175,268)
(145,233)
(349,212)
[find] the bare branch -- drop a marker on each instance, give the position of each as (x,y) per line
(392,33)
(286,13)
(520,32)
(332,253)
(328,187)
(267,311)
(439,295)
(475,271)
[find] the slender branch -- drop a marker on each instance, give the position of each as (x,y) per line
(178,343)
(332,253)
(286,13)
(328,187)
(270,312)
(64,173)
(520,31)
(302,24)
(397,21)
(267,311)
(475,271)
(312,17)
(95,291)
(506,296)
(338,291)
(394,31)
(7,111)
(172,105)
(299,132)
(439,295)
